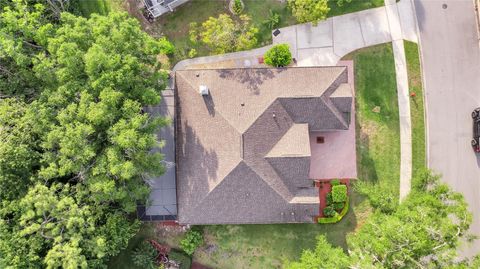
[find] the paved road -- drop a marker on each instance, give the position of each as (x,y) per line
(451,64)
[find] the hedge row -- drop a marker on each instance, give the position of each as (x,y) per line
(337,217)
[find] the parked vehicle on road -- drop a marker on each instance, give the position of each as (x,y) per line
(476,129)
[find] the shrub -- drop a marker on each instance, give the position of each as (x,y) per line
(341,2)
(335,182)
(329,211)
(181,258)
(166,47)
(337,217)
(339,193)
(193,239)
(329,198)
(192,53)
(144,256)
(278,55)
(237,7)
(193,32)
(273,20)
(338,206)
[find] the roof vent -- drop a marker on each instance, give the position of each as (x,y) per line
(203,90)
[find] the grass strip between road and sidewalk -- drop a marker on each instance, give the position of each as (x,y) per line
(417,110)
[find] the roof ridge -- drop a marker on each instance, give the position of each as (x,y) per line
(334,109)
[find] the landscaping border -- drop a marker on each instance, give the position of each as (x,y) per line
(338,217)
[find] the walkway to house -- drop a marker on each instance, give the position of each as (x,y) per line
(326,43)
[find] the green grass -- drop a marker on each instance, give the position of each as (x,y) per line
(267,246)
(416,107)
(378,133)
(354,6)
(176,25)
(87,7)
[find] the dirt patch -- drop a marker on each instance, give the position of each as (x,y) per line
(367,129)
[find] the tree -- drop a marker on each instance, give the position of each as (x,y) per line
(278,55)
(223,34)
(20,27)
(309,10)
(324,256)
(74,158)
(426,229)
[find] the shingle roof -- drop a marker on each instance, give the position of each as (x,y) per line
(243,150)
(294,143)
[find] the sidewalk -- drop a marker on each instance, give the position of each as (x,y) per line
(395,22)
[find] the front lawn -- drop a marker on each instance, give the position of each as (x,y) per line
(378,130)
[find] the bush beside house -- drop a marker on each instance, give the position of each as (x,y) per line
(337,203)
(193,239)
(278,55)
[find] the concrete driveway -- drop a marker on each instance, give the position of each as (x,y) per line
(335,37)
(451,71)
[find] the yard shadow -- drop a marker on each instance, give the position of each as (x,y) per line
(365,163)
(253,78)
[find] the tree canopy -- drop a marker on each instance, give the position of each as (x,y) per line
(223,34)
(75,144)
(424,231)
(309,10)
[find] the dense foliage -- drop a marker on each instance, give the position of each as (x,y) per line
(145,256)
(309,10)
(424,231)
(278,56)
(193,239)
(339,193)
(237,7)
(223,34)
(181,258)
(75,146)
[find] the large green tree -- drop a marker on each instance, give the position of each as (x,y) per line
(309,10)
(74,156)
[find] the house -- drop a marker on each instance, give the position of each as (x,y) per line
(156,8)
(250,143)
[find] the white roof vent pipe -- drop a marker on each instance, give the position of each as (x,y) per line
(203,90)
